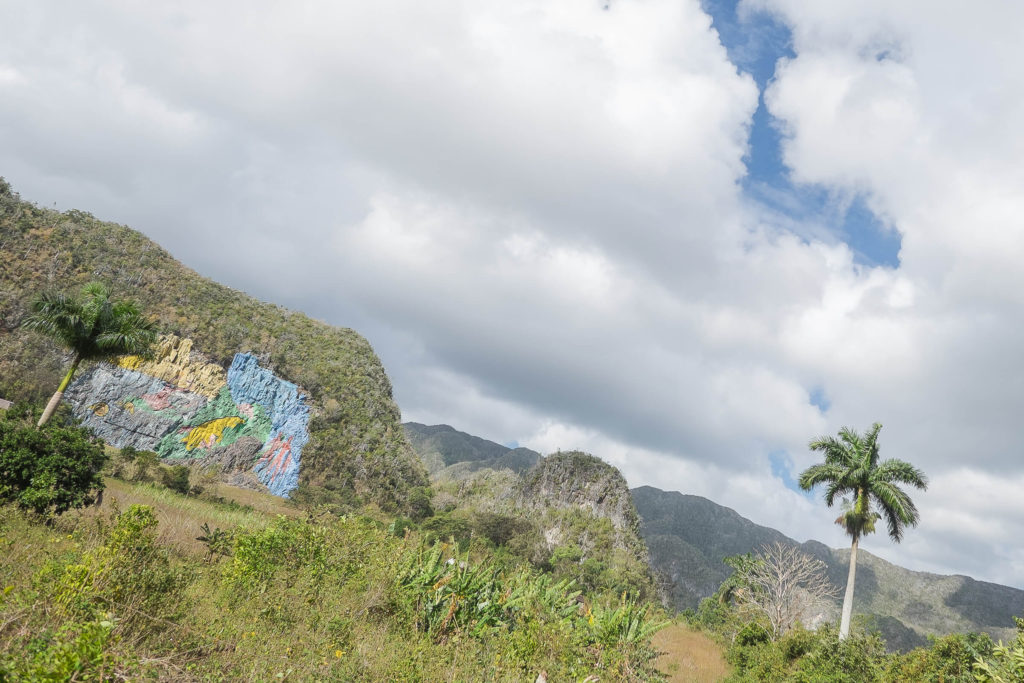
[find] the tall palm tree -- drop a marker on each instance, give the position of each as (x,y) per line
(852,468)
(92,327)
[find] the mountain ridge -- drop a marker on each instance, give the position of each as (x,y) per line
(688,536)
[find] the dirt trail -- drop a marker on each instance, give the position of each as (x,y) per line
(689,656)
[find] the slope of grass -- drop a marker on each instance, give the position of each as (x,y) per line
(126,591)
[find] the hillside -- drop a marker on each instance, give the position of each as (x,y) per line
(447,452)
(569,513)
(688,536)
(227,354)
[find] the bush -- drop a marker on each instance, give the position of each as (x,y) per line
(175,478)
(49,470)
(129,575)
(448,527)
(1006,662)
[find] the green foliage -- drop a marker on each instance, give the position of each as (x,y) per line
(499,529)
(419,503)
(145,463)
(322,597)
(49,471)
(449,527)
(76,652)
(286,544)
(129,574)
(92,326)
(1005,664)
(175,478)
(852,468)
(949,659)
(217,541)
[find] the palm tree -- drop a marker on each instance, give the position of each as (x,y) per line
(852,468)
(92,327)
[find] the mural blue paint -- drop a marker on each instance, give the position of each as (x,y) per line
(127,406)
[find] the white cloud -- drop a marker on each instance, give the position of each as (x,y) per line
(533,211)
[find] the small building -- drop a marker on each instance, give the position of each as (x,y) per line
(5,404)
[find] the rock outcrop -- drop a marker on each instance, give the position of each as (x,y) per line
(579,481)
(251,420)
(173,363)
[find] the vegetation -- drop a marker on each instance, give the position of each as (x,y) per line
(852,468)
(779,585)
(99,596)
(48,471)
(806,655)
(91,327)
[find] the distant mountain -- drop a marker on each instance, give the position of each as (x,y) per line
(448,452)
(246,384)
(688,537)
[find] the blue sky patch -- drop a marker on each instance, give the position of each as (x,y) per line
(782,469)
(755,42)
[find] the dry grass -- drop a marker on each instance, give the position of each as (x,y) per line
(689,656)
(180,517)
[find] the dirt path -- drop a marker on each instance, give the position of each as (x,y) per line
(689,656)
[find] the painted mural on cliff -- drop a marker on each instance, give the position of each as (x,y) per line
(188,409)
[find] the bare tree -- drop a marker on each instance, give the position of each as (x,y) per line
(782,583)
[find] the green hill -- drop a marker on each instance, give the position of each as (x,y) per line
(356,450)
(448,452)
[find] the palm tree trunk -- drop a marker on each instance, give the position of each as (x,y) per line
(844,623)
(59,394)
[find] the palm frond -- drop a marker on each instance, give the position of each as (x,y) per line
(902,472)
(897,508)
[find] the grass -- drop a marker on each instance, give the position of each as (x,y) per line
(180,516)
(689,656)
(94,596)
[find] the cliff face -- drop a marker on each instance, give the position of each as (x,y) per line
(186,409)
(578,481)
(322,413)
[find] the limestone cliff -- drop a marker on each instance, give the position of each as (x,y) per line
(579,481)
(189,410)
(232,374)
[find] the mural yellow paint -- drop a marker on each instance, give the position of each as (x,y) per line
(209,433)
(128,407)
(100,409)
(172,362)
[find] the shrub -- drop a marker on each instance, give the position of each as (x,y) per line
(175,478)
(1006,662)
(50,470)
(129,575)
(76,652)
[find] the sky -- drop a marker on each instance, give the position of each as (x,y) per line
(686,237)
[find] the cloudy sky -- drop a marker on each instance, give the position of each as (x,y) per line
(687,237)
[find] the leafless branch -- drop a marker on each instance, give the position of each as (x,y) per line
(782,584)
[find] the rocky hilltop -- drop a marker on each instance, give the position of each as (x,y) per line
(575,511)
(579,481)
(303,407)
